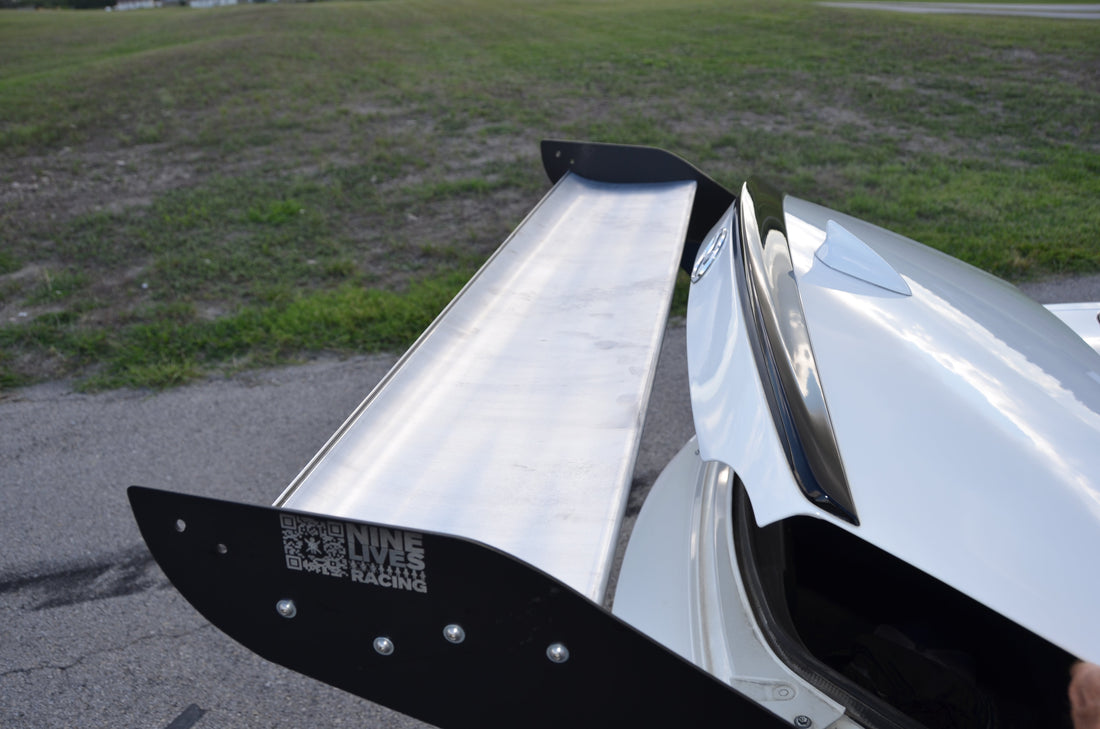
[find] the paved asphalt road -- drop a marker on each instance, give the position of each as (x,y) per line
(1042,10)
(91,634)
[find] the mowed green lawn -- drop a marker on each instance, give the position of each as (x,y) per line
(185,191)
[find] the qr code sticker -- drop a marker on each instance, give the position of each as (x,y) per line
(314,545)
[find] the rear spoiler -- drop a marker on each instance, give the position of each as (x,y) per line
(447,552)
(625,164)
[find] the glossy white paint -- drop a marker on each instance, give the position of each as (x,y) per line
(846,253)
(653,590)
(514,420)
(968,418)
(1081,318)
(732,420)
(679,585)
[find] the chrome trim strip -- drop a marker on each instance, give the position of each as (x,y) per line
(784,354)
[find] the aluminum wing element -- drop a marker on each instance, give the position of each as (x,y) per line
(515,418)
(446,553)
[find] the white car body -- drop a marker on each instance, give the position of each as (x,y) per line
(968,418)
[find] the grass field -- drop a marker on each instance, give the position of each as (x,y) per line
(186,191)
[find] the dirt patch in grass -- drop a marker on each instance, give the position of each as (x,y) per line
(166,172)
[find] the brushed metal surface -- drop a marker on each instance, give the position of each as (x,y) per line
(514,420)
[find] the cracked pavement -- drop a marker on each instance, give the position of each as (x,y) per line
(91,633)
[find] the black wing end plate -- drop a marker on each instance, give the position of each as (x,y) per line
(440,628)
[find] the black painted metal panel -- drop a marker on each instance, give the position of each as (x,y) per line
(353,582)
(624,163)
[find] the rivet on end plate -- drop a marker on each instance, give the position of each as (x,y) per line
(454,633)
(557,653)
